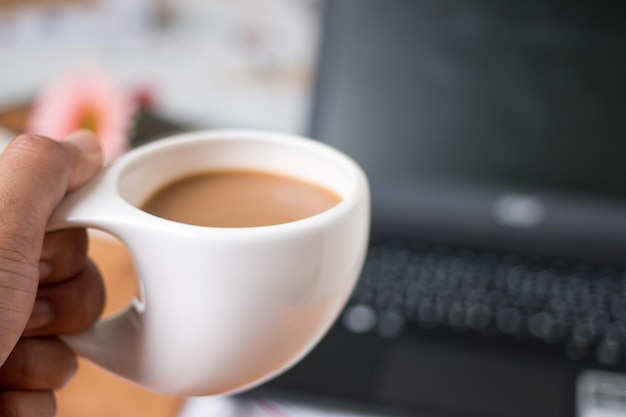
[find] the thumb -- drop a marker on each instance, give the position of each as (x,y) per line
(35,174)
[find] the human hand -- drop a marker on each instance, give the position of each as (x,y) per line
(47,285)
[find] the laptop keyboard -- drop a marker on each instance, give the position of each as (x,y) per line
(579,306)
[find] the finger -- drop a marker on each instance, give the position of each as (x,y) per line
(68,306)
(63,255)
(27,403)
(35,174)
(38,363)
(37,166)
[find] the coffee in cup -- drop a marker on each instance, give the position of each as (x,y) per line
(239,198)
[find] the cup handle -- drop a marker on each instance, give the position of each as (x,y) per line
(110,342)
(93,205)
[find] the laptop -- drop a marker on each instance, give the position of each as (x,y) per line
(494,136)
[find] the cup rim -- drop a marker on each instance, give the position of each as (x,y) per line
(351,198)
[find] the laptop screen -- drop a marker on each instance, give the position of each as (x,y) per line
(485,121)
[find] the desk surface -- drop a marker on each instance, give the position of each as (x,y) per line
(94,392)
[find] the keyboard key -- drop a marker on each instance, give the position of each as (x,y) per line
(359,318)
(390,324)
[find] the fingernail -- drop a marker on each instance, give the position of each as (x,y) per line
(45,270)
(85,140)
(41,316)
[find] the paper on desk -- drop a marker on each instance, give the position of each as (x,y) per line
(258,407)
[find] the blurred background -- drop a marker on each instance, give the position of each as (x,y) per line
(493,136)
(199,63)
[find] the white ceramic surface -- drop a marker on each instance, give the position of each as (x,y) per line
(222,309)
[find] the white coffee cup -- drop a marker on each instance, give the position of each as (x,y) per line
(221,309)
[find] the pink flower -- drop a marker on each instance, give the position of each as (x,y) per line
(85,98)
